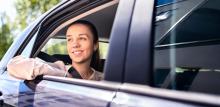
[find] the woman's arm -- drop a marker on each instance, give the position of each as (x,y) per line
(30,68)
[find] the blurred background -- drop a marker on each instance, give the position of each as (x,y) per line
(15,15)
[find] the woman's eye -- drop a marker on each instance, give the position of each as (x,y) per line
(82,38)
(69,39)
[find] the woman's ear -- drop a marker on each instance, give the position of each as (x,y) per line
(96,46)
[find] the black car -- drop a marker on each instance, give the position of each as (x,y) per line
(153,53)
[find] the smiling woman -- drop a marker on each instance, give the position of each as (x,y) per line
(82,46)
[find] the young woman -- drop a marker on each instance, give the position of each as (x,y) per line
(82,46)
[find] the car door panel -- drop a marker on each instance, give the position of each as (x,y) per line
(56,92)
(130,95)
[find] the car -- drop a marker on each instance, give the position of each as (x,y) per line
(153,53)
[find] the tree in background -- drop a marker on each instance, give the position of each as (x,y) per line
(27,11)
(5,34)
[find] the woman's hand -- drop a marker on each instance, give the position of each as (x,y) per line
(22,68)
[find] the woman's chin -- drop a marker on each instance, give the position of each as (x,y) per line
(78,60)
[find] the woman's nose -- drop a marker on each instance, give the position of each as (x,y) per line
(76,45)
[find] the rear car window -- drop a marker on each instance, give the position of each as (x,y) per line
(187,46)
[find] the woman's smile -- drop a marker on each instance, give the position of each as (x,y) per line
(80,43)
(77,52)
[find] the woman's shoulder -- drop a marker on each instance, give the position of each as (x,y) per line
(97,76)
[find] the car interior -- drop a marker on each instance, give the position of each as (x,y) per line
(55,48)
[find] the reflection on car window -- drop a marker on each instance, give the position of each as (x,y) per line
(187,47)
(189,31)
(163,2)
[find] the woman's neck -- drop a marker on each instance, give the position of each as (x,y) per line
(83,69)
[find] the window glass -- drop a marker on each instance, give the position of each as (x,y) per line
(187,46)
(103,48)
(55,46)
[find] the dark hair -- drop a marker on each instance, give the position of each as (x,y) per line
(96,56)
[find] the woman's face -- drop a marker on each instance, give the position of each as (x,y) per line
(80,43)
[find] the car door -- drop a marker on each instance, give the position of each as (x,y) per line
(59,91)
(141,73)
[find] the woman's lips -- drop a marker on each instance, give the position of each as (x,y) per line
(77,52)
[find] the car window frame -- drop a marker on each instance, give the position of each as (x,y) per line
(115,64)
(139,69)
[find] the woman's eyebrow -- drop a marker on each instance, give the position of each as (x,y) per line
(83,34)
(68,35)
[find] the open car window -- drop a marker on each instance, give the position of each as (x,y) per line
(54,46)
